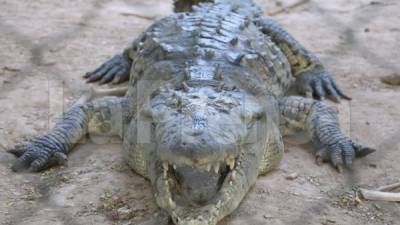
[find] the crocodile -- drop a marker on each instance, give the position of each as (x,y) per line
(206,109)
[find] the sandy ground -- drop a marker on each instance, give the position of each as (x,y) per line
(46,46)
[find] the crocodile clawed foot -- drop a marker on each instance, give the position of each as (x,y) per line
(35,157)
(342,154)
(318,83)
(116,70)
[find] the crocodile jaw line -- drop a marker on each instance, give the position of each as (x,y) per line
(164,195)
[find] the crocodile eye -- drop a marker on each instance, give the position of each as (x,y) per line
(175,102)
(147,111)
(194,96)
(212,97)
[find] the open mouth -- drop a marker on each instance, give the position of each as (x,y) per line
(170,183)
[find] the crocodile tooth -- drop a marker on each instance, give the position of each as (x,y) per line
(219,203)
(208,168)
(231,163)
(186,88)
(220,87)
(233,176)
(174,166)
(216,168)
(165,166)
(171,203)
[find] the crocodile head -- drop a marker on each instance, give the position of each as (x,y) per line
(199,132)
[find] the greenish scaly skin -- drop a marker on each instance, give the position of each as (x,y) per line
(206,109)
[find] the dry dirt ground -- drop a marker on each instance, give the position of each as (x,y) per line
(46,46)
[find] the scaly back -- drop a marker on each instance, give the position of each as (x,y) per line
(245,5)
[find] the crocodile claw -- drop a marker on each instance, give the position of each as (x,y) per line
(319,83)
(35,157)
(342,154)
(362,151)
(18,150)
(116,70)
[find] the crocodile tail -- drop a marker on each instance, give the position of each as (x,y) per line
(186,5)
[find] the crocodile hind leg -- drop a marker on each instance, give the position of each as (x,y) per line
(321,124)
(312,77)
(103,116)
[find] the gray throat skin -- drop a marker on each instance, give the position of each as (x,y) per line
(206,108)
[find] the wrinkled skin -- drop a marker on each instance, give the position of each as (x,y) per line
(206,109)
(198,129)
(201,134)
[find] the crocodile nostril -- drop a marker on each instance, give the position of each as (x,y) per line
(195,132)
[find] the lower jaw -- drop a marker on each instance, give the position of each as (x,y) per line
(168,199)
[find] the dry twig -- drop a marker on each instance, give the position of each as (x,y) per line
(389,187)
(139,15)
(392,79)
(289,7)
(381,194)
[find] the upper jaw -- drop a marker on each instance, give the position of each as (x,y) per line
(202,157)
(210,165)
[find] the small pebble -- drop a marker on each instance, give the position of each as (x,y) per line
(278,3)
(10,69)
(329,221)
(70,197)
(375,3)
(267,217)
(292,176)
(125,213)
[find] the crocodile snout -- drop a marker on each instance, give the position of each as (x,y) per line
(197,148)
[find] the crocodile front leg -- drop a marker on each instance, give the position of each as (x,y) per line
(312,77)
(104,116)
(116,69)
(233,190)
(321,123)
